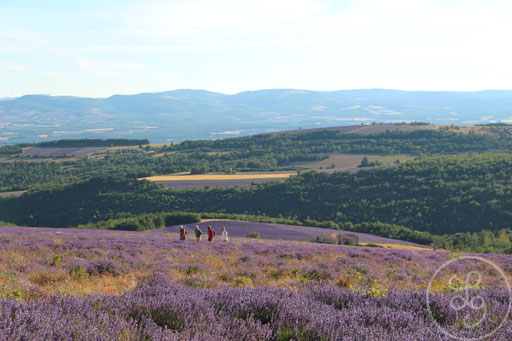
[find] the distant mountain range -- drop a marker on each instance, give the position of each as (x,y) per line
(179,115)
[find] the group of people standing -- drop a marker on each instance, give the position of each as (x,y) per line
(199,234)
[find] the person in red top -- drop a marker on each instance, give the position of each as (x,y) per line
(183,233)
(211,234)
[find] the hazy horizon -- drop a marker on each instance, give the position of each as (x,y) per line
(242,91)
(96,49)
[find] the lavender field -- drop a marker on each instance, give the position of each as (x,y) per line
(63,284)
(281,232)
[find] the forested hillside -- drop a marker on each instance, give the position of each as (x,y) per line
(337,141)
(438,194)
(255,153)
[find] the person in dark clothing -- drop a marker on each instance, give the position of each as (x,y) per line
(199,233)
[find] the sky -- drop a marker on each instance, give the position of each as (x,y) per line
(99,48)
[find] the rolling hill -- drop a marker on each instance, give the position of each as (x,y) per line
(197,114)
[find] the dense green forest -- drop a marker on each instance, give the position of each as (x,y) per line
(256,153)
(437,194)
(336,141)
(144,222)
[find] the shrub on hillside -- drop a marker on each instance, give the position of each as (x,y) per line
(254,235)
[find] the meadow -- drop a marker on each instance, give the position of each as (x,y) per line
(63,284)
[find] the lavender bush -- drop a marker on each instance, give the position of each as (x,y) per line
(61,284)
(174,312)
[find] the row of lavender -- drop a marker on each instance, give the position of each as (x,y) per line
(63,284)
(171,312)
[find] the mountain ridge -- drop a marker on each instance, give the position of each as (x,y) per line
(189,114)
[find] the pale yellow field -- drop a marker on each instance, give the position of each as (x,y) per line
(217,153)
(401,246)
(218,177)
(207,220)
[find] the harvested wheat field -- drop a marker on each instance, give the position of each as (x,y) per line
(199,181)
(203,177)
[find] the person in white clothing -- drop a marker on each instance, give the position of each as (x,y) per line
(225,235)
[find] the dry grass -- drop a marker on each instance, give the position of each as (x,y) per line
(11,194)
(48,277)
(400,246)
(218,177)
(217,153)
(206,220)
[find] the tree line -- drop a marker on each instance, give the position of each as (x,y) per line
(254,153)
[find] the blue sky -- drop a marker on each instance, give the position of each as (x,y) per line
(99,48)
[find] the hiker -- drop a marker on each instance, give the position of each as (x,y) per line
(225,235)
(211,234)
(183,233)
(199,233)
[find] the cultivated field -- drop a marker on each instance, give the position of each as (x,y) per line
(283,232)
(62,284)
(61,151)
(199,181)
(206,177)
